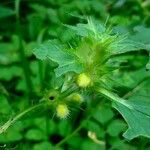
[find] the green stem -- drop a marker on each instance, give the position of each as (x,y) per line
(12,121)
(68,137)
(75,131)
(136,88)
(24,62)
(109,95)
(40,63)
(40,69)
(114,97)
(69,91)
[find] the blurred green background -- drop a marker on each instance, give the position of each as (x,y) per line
(23,78)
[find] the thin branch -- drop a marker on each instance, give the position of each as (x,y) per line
(11,121)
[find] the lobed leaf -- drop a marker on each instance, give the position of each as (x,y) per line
(136,113)
(55,52)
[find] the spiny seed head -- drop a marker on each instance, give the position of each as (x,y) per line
(62,111)
(83,80)
(76,98)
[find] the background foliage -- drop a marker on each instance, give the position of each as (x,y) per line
(23,78)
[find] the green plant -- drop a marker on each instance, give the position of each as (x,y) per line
(85,67)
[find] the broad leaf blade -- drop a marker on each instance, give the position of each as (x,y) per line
(127,46)
(55,52)
(138,122)
(135,112)
(92,28)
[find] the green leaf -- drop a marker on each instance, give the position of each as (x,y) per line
(131,79)
(103,114)
(33,109)
(5,12)
(138,122)
(94,127)
(75,141)
(64,128)
(148,64)
(35,134)
(140,38)
(142,35)
(5,108)
(127,45)
(89,144)
(115,127)
(8,73)
(93,27)
(13,134)
(117,144)
(135,112)
(116,43)
(45,125)
(44,145)
(55,52)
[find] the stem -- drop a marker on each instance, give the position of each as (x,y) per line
(11,121)
(68,137)
(109,95)
(114,97)
(40,69)
(122,101)
(40,63)
(69,91)
(24,62)
(75,131)
(135,89)
(46,126)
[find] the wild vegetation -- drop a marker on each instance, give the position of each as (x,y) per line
(75,75)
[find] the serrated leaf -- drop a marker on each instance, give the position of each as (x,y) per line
(118,43)
(137,121)
(80,29)
(142,34)
(93,27)
(55,52)
(127,46)
(136,113)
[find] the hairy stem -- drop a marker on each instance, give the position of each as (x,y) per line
(17,117)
